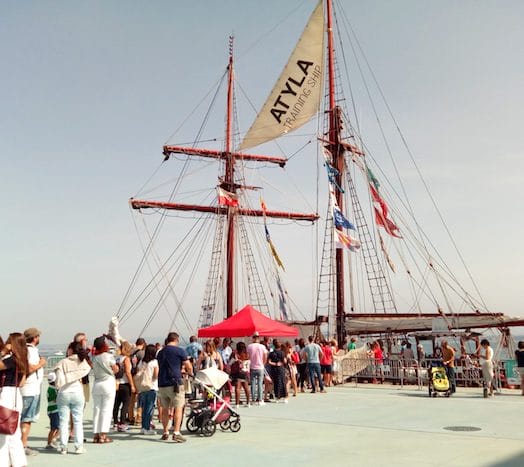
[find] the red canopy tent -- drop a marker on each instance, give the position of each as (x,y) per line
(246,322)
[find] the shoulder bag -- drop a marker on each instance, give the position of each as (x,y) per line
(9,417)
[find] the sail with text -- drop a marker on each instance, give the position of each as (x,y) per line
(296,96)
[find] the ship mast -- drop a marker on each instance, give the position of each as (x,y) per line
(227,183)
(337,155)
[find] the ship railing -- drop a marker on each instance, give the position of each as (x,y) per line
(368,369)
(397,370)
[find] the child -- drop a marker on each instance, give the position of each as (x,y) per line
(52,412)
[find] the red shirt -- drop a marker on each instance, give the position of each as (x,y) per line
(327,355)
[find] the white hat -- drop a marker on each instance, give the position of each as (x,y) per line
(51,377)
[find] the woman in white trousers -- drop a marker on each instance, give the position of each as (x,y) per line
(104,390)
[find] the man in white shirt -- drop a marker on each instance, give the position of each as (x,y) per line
(31,389)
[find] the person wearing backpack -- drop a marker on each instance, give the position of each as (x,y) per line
(136,357)
(146,383)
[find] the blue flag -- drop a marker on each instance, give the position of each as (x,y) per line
(340,220)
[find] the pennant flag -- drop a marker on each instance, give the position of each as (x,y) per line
(332,172)
(282,300)
(346,241)
(378,199)
(263,205)
(226,198)
(338,218)
(275,254)
(391,264)
(388,225)
(373,179)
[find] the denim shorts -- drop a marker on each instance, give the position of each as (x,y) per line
(54,421)
(31,409)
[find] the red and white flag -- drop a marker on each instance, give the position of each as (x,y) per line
(226,198)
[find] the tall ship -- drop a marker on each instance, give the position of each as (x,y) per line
(365,263)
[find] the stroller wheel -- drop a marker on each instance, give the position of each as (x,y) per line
(225,425)
(209,427)
(234,426)
(191,424)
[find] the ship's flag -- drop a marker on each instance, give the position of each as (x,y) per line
(389,226)
(346,241)
(263,205)
(275,254)
(391,264)
(373,179)
(338,218)
(268,237)
(381,213)
(284,315)
(226,198)
(379,201)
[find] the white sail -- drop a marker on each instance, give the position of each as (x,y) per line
(295,98)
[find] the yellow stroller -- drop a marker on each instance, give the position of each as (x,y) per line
(438,382)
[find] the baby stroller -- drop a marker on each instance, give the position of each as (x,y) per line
(212,409)
(438,382)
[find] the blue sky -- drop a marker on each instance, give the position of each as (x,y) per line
(90,91)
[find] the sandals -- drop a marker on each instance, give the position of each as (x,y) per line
(98,440)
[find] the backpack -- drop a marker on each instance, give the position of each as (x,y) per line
(142,379)
(121,369)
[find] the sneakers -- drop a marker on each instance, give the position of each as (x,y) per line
(30,452)
(122,428)
(50,447)
(261,403)
(80,450)
(178,438)
(147,432)
(62,451)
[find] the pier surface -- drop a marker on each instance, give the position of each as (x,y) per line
(368,425)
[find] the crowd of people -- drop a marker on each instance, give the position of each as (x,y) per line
(127,382)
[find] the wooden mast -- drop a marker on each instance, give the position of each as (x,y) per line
(337,154)
(227,183)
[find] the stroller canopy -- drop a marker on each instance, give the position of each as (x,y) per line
(246,322)
(212,377)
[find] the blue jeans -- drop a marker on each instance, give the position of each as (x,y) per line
(71,402)
(147,400)
(314,369)
(257,384)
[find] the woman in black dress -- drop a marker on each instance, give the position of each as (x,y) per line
(276,361)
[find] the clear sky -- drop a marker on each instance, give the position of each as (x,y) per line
(90,91)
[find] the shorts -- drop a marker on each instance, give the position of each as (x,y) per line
(31,409)
(241,376)
(169,398)
(54,421)
(326,369)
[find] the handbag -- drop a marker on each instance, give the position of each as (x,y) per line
(9,417)
(142,379)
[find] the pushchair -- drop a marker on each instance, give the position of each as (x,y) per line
(438,382)
(212,409)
